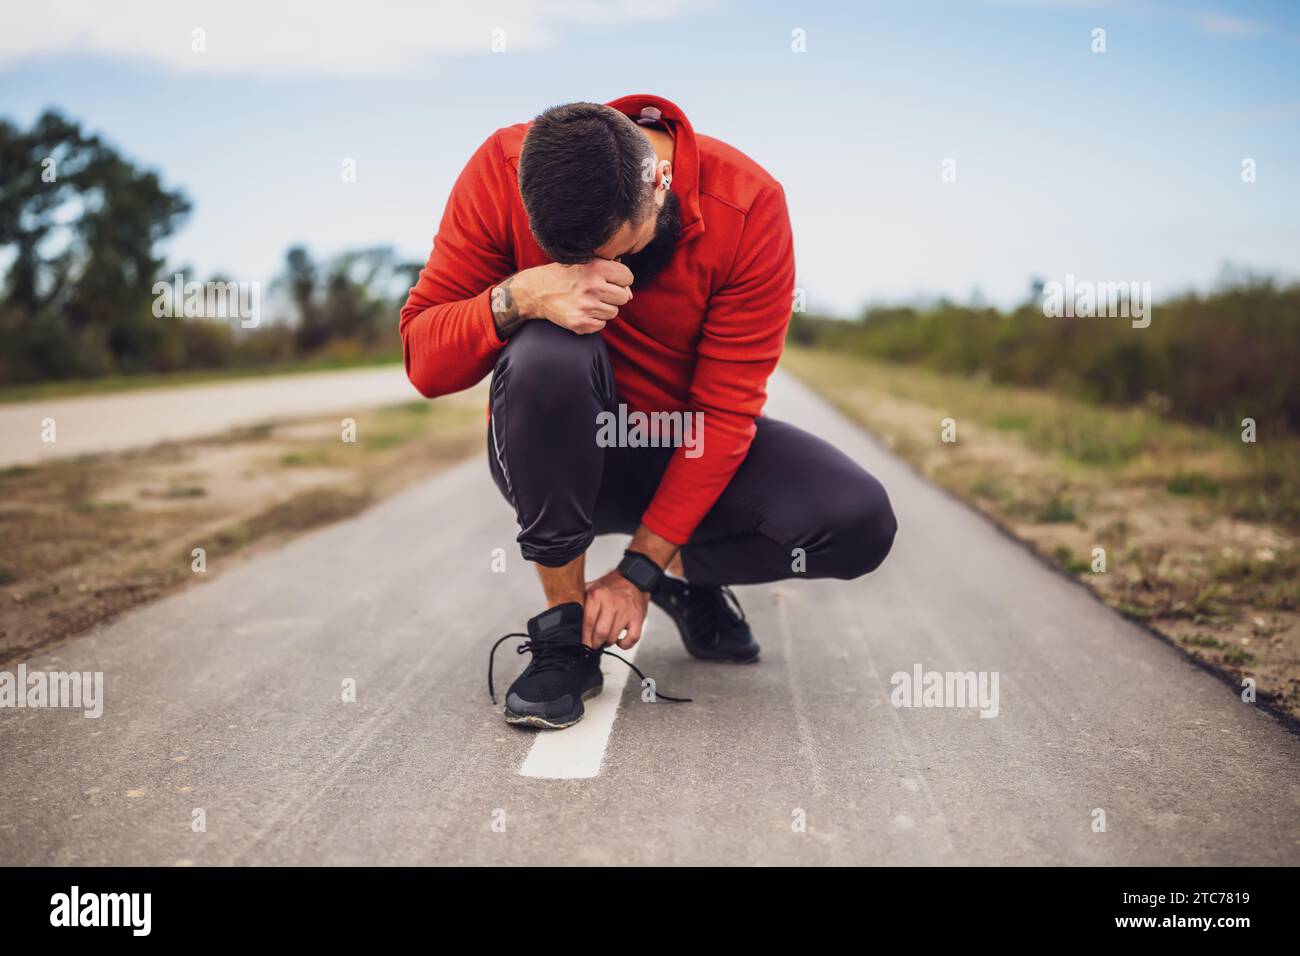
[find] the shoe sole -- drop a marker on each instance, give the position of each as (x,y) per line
(532,720)
(721,658)
(703,655)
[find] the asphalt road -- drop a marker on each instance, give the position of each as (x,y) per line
(226,698)
(101,423)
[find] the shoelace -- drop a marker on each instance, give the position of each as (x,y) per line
(549,655)
(730,597)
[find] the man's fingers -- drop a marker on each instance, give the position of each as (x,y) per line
(601,310)
(612,271)
(588,326)
(604,626)
(588,621)
(633,634)
(614,294)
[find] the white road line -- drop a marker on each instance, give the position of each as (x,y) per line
(576,752)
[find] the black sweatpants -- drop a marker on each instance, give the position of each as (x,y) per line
(796,507)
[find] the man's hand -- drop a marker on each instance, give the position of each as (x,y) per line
(580,298)
(613,604)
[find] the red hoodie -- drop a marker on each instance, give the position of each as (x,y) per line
(703,336)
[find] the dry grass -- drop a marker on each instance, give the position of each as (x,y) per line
(83,540)
(1193,523)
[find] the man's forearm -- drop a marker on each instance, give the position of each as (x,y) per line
(658,549)
(506,313)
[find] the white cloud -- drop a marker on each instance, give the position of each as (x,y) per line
(301,36)
(1224,24)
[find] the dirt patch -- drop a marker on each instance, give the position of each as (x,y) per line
(1154,518)
(83,540)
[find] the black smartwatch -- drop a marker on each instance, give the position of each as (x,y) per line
(640,570)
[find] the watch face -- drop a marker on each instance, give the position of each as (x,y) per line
(639,570)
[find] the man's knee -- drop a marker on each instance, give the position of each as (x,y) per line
(547,366)
(863,527)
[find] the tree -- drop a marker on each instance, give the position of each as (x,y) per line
(80,225)
(347,298)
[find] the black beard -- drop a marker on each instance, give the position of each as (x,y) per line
(651,260)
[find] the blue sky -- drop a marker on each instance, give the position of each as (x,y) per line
(1122,165)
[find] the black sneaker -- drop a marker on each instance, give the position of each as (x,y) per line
(710,620)
(562,674)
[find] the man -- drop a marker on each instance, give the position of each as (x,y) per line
(607,256)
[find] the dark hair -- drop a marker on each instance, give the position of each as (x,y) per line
(581,176)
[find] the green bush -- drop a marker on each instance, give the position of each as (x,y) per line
(1212,360)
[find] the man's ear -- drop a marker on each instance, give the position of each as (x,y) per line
(665,174)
